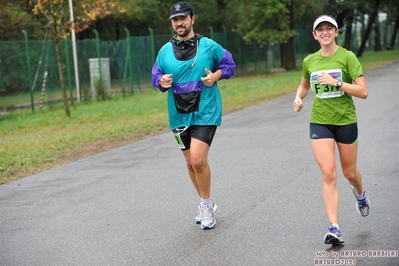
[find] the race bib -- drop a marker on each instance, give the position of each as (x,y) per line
(326,91)
(177,132)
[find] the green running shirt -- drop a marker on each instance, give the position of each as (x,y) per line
(332,106)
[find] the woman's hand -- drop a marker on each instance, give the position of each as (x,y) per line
(326,79)
(297,104)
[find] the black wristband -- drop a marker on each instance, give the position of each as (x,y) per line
(339,84)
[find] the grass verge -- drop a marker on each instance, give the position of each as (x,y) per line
(32,143)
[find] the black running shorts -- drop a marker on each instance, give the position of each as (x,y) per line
(203,133)
(347,134)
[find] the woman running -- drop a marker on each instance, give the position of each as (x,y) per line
(335,75)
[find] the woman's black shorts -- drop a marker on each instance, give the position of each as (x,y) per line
(347,134)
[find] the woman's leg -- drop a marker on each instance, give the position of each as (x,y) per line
(348,157)
(324,153)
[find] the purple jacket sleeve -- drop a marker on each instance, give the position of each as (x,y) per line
(156,76)
(227,65)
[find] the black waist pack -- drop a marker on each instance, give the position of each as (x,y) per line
(187,102)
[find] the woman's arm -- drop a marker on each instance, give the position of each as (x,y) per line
(301,93)
(359,89)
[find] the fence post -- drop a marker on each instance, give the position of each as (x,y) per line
(152,44)
(129,58)
(29,70)
(211,31)
(269,53)
(240,54)
(68,70)
(98,55)
(225,37)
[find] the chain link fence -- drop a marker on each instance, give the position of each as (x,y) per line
(29,75)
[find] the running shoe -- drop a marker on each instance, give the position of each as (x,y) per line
(208,220)
(362,204)
(198,218)
(333,236)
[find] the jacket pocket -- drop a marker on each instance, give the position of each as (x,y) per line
(187,102)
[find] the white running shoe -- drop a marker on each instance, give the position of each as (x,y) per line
(198,218)
(363,204)
(333,236)
(208,220)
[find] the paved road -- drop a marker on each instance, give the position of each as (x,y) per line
(135,205)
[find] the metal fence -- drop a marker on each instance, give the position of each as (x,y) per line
(30,67)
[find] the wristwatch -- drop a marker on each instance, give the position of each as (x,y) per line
(339,84)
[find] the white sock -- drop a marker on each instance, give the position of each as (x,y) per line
(335,225)
(361,196)
(207,201)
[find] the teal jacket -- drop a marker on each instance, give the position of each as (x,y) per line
(190,102)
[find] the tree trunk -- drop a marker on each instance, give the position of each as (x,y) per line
(395,31)
(368,28)
(62,81)
(377,37)
(288,60)
(117,29)
(348,32)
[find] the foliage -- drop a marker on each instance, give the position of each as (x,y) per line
(14,19)
(11,80)
(307,12)
(392,10)
(54,11)
(266,21)
(217,14)
(258,19)
(140,14)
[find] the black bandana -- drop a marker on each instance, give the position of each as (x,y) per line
(185,50)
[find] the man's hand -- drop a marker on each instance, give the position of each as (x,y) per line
(210,77)
(166,81)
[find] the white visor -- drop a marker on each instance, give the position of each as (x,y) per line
(324,19)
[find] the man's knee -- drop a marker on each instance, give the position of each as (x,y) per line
(198,163)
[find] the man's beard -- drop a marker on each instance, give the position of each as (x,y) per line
(185,33)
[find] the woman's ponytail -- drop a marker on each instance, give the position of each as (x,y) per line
(340,16)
